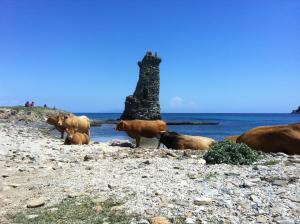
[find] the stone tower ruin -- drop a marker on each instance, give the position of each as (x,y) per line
(144,103)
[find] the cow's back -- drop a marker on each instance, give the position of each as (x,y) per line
(280,138)
(79,138)
(146,128)
(80,123)
(152,128)
(197,142)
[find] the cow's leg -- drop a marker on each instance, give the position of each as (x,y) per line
(62,134)
(88,133)
(67,141)
(137,141)
(158,144)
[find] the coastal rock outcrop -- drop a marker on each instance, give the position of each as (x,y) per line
(144,103)
(297,111)
(28,114)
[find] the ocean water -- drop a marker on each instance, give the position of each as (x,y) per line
(229,124)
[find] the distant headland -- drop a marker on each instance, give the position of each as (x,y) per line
(297,111)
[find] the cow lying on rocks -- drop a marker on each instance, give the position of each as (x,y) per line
(76,138)
(53,120)
(174,140)
(277,138)
(142,128)
(77,123)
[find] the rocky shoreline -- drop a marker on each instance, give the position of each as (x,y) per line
(297,111)
(36,168)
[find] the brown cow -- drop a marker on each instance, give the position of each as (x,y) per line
(76,138)
(277,138)
(78,123)
(142,128)
(53,120)
(174,140)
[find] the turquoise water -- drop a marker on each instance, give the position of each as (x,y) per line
(229,124)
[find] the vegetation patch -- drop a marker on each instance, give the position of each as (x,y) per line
(231,153)
(211,175)
(73,210)
(35,109)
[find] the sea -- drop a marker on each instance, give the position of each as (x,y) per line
(228,124)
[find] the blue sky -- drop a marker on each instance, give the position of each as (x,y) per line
(217,56)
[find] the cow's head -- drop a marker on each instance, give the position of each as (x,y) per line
(161,136)
(121,126)
(53,120)
(70,132)
(62,118)
(168,138)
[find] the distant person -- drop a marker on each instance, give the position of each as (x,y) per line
(32,104)
(54,108)
(45,105)
(27,104)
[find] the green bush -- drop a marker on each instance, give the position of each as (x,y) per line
(231,153)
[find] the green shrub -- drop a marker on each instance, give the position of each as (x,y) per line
(231,153)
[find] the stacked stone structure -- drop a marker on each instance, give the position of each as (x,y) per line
(144,103)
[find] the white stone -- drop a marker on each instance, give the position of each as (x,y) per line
(37,202)
(202,201)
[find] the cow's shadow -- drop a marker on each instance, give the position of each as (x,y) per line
(125,144)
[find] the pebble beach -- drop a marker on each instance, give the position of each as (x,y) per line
(37,169)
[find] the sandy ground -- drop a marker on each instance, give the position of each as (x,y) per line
(146,181)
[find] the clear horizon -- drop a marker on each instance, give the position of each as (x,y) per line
(217,56)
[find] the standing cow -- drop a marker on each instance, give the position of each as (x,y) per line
(77,123)
(142,128)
